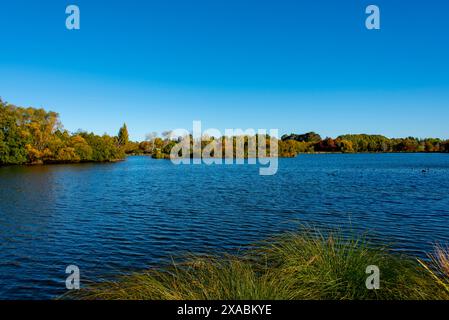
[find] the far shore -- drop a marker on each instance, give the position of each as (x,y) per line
(53,163)
(30,136)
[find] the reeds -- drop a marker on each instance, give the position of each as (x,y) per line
(438,267)
(305,265)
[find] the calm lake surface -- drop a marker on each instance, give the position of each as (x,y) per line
(112,218)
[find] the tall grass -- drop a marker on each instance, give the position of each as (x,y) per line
(306,265)
(438,267)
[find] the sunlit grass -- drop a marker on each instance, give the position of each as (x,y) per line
(306,265)
(438,267)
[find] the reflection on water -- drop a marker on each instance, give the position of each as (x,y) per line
(110,218)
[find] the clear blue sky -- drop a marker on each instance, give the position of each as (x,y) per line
(292,65)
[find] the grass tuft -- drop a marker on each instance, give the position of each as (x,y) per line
(306,265)
(438,267)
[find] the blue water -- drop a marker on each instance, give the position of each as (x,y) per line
(112,218)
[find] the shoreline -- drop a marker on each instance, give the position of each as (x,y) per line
(151,156)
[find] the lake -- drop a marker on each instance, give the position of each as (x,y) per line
(128,216)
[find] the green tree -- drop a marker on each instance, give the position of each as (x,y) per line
(29,135)
(12,138)
(123,136)
(345,146)
(82,148)
(311,137)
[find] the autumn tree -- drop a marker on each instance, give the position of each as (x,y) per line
(345,146)
(29,135)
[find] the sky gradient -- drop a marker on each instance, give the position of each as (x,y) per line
(296,66)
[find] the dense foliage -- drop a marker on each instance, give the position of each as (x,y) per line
(311,137)
(294,144)
(361,143)
(35,136)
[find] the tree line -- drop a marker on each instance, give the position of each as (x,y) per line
(354,143)
(294,144)
(36,136)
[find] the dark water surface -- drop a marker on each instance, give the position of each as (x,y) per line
(110,218)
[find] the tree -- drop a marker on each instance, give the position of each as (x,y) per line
(82,148)
(12,139)
(311,137)
(327,145)
(123,136)
(36,136)
(445,146)
(104,148)
(367,142)
(288,148)
(345,146)
(409,144)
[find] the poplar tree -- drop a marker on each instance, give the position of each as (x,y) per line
(123,136)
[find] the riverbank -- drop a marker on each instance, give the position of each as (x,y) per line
(56,163)
(294,266)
